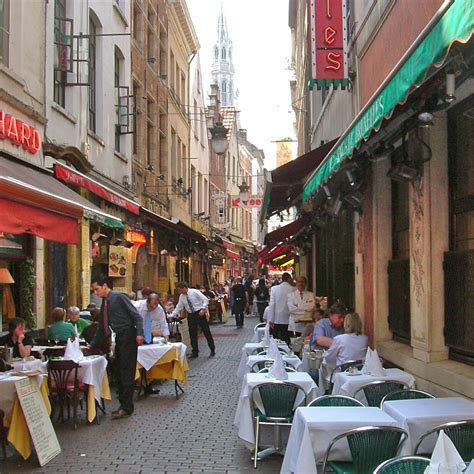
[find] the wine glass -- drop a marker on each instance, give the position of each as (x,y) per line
(268,365)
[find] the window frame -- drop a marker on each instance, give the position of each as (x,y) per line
(5,34)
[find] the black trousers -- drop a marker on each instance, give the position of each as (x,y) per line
(261,309)
(194,320)
(126,361)
(280,331)
(238,310)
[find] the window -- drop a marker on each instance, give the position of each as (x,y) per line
(92,75)
(135,93)
(137,25)
(4,31)
(151,37)
(216,54)
(60,75)
(172,69)
(117,73)
(183,88)
(174,154)
(223,54)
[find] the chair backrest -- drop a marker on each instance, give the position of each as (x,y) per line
(408,394)
(288,368)
(343,367)
(461,434)
(60,375)
(403,465)
(335,401)
(278,398)
(260,351)
(370,446)
(259,365)
(259,325)
(54,351)
(375,391)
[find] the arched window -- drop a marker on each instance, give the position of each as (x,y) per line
(223,53)
(216,53)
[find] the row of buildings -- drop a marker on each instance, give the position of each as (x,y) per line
(383,183)
(106,162)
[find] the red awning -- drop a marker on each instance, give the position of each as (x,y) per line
(70,176)
(286,232)
(277,251)
(232,255)
(20,218)
(284,260)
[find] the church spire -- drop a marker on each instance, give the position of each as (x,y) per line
(222,71)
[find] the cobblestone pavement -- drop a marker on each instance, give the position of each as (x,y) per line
(165,435)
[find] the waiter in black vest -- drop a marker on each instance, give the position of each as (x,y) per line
(118,314)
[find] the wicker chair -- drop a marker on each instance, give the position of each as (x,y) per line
(335,401)
(375,391)
(403,465)
(278,399)
(369,446)
(409,394)
(461,434)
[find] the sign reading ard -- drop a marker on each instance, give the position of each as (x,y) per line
(19,133)
(39,424)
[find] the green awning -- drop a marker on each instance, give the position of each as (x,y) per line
(104,219)
(457,24)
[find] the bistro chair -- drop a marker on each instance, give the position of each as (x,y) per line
(64,388)
(54,352)
(461,434)
(375,391)
(263,351)
(369,446)
(342,368)
(279,402)
(288,368)
(403,465)
(259,365)
(408,394)
(335,401)
(3,435)
(259,325)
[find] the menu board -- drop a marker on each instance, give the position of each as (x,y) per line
(117,261)
(41,429)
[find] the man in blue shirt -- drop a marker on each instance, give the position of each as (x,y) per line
(327,329)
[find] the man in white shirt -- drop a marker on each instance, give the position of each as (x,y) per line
(301,304)
(195,304)
(154,318)
(278,314)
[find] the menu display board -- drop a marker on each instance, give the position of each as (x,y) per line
(41,429)
(117,261)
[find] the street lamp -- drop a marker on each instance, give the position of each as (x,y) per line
(219,140)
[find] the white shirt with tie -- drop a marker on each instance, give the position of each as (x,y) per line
(158,317)
(278,307)
(193,301)
(301,306)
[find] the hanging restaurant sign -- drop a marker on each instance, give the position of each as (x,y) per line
(19,133)
(252,201)
(327,32)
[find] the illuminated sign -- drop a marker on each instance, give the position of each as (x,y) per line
(327,42)
(137,237)
(19,133)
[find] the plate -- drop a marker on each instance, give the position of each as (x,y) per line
(352,374)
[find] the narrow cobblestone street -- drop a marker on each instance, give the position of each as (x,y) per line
(165,435)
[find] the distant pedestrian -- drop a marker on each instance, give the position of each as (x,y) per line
(239,298)
(262,294)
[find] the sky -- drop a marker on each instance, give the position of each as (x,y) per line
(261,55)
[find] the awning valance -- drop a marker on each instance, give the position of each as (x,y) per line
(456,25)
(287,232)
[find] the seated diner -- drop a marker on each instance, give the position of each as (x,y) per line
(60,330)
(17,338)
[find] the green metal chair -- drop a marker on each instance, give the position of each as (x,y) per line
(369,447)
(342,368)
(335,401)
(375,391)
(409,394)
(288,368)
(279,403)
(403,465)
(461,434)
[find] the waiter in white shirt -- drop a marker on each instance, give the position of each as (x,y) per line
(195,303)
(278,315)
(301,304)
(154,318)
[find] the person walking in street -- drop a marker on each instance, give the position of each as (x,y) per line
(239,298)
(263,295)
(278,314)
(195,304)
(250,293)
(119,315)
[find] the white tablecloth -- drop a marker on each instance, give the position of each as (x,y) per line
(149,354)
(8,390)
(91,372)
(345,384)
(315,427)
(28,365)
(246,363)
(258,334)
(244,415)
(421,415)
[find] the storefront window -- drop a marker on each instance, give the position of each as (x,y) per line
(4,31)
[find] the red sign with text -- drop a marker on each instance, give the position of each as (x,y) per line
(19,133)
(327,39)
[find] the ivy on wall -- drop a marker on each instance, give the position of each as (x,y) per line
(28,281)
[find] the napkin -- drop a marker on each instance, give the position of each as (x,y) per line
(278,369)
(470,469)
(266,337)
(73,351)
(272,349)
(445,457)
(372,364)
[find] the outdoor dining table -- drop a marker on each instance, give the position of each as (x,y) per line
(314,428)
(246,363)
(421,415)
(244,414)
(347,384)
(162,362)
(18,434)
(250,347)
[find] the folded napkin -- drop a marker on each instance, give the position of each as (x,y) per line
(272,349)
(445,457)
(73,351)
(266,337)
(278,369)
(372,364)
(470,469)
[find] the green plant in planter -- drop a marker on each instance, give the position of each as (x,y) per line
(28,281)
